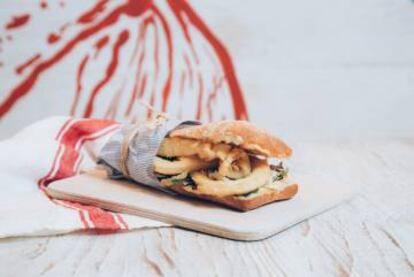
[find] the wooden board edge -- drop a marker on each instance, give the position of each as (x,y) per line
(185,224)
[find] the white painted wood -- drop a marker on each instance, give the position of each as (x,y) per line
(95,188)
(329,65)
(372,235)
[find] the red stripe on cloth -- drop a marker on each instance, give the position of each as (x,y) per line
(43,180)
(101,219)
(75,134)
(71,140)
(81,212)
(82,218)
(122,221)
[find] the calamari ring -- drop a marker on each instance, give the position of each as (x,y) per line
(182,164)
(234,163)
(220,188)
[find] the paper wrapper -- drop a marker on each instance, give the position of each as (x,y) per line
(143,142)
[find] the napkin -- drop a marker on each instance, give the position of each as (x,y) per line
(46,151)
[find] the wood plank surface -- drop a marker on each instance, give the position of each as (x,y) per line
(96,189)
(371,235)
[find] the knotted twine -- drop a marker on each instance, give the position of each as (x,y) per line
(130,152)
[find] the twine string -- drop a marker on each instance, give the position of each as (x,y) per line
(159,119)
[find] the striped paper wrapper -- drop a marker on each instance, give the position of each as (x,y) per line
(142,149)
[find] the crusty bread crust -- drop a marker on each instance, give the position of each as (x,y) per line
(264,197)
(241,133)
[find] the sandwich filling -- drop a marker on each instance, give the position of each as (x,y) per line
(216,169)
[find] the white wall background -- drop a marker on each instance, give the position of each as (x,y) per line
(318,69)
(323,68)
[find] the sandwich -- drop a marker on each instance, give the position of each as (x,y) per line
(226,162)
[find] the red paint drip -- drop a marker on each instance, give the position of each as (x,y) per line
(140,82)
(136,85)
(152,101)
(135,53)
(166,91)
(122,38)
(176,10)
(43,5)
(189,69)
(53,38)
(157,50)
(182,7)
(64,27)
(17,21)
(101,43)
(156,72)
(183,80)
(133,8)
(113,107)
(79,75)
(19,69)
(212,97)
(200,97)
(142,85)
(91,15)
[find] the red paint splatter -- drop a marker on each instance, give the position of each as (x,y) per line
(133,8)
(175,5)
(200,97)
(157,50)
(188,21)
(189,69)
(43,5)
(149,111)
(122,38)
(53,38)
(166,91)
(64,27)
(142,86)
(91,15)
(136,85)
(17,21)
(217,85)
(181,7)
(113,107)
(79,75)
(19,69)
(182,82)
(140,82)
(101,43)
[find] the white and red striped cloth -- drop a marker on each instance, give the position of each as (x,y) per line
(46,151)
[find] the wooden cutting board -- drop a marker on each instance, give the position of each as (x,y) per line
(94,188)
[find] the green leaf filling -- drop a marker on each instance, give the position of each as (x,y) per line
(249,193)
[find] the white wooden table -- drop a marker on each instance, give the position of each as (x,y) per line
(371,235)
